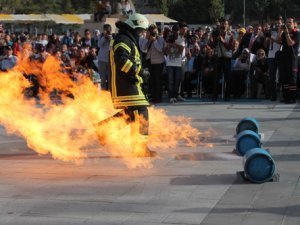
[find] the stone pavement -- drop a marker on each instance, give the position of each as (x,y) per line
(186,186)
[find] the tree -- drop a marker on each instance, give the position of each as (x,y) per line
(216,9)
(67,6)
(258,9)
(191,11)
(165,5)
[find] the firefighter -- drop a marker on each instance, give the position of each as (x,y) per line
(289,37)
(127,78)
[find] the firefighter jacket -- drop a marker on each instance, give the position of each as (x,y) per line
(125,68)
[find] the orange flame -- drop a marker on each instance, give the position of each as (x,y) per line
(67,130)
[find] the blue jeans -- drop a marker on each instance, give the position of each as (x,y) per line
(174,78)
(104,75)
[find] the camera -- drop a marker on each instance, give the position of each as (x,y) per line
(215,33)
(267,33)
(153,33)
(283,27)
(171,38)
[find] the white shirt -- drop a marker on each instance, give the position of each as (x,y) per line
(190,64)
(274,47)
(127,7)
(181,41)
(174,58)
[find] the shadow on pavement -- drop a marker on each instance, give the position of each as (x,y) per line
(291,211)
(282,143)
(208,156)
(216,179)
(290,157)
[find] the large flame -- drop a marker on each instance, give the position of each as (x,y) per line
(68,130)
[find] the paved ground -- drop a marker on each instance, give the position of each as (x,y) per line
(188,186)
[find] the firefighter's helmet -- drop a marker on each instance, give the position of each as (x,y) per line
(137,20)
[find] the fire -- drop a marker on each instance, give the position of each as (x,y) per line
(68,130)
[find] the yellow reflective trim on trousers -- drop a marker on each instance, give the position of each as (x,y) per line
(127,66)
(123,45)
(113,70)
(142,103)
(135,126)
(138,97)
(139,67)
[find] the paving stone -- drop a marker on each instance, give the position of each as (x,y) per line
(185,186)
(27,220)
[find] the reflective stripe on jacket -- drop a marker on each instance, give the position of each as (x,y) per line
(125,66)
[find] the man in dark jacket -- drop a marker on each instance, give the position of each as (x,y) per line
(289,37)
(252,40)
(127,77)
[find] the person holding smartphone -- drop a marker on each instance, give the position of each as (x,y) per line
(289,37)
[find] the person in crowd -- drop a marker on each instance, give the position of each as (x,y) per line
(44,40)
(2,43)
(154,49)
(273,47)
(127,78)
(245,40)
(259,74)
(80,61)
(200,34)
(208,72)
(88,40)
(119,8)
(65,54)
(241,33)
(108,8)
(54,43)
(8,41)
(57,54)
(191,70)
(223,41)
(96,37)
(92,59)
(257,40)
(127,8)
(235,48)
(99,11)
(289,38)
(181,40)
(239,73)
(77,40)
(9,60)
(92,65)
(103,55)
(65,58)
(174,52)
(16,46)
(67,39)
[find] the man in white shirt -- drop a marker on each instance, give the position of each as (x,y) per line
(181,40)
(273,50)
(174,52)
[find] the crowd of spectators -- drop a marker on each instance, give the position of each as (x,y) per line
(224,62)
(218,63)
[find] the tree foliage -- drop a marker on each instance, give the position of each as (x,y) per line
(192,11)
(48,6)
(164,5)
(216,9)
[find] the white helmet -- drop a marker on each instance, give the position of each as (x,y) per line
(137,20)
